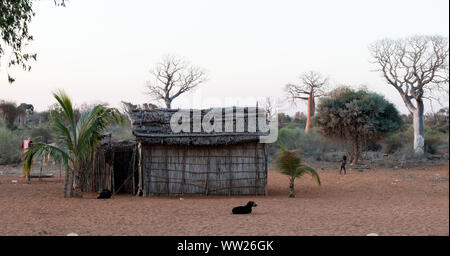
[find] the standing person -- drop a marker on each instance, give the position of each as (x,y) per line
(343,163)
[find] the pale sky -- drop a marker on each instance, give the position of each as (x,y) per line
(102,51)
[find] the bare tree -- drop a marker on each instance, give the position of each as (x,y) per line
(312,86)
(172,77)
(268,105)
(416,67)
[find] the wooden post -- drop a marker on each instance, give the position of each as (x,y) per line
(148,171)
(139,168)
(230,181)
(166,160)
(40,171)
(266,192)
(257,168)
(208,167)
(112,172)
(133,166)
(183,178)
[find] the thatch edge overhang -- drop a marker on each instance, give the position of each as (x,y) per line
(198,139)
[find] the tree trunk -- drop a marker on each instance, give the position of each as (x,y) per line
(71,183)
(355,152)
(168,103)
(291,187)
(76,184)
(66,181)
(21,120)
(419,130)
(311,110)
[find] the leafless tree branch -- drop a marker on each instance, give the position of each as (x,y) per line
(174,76)
(413,65)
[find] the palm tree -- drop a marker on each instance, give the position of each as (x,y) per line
(292,165)
(77,138)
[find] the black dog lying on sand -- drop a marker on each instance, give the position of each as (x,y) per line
(105,194)
(244,209)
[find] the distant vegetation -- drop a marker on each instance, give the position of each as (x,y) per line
(33,124)
(356,116)
(312,146)
(398,145)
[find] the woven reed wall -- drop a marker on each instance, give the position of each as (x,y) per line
(238,169)
(113,168)
(98,173)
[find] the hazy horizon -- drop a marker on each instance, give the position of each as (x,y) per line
(102,51)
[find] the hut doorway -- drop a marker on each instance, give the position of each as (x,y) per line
(125,175)
(113,167)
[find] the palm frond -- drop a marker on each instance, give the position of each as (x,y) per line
(88,131)
(39,149)
(288,162)
(291,164)
(308,169)
(66,104)
(92,125)
(63,133)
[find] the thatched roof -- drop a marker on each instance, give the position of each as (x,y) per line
(154,126)
(117,146)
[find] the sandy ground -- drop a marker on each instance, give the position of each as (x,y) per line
(411,201)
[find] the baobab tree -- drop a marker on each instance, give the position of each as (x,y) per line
(174,76)
(415,66)
(312,85)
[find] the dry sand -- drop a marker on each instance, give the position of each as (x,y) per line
(384,201)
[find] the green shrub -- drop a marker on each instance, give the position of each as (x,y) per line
(432,143)
(398,140)
(312,144)
(394,143)
(10,146)
(371,145)
(43,132)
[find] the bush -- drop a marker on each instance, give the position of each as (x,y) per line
(312,144)
(372,145)
(432,143)
(10,146)
(393,143)
(434,140)
(397,141)
(10,113)
(44,133)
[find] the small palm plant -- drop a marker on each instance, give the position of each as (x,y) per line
(292,165)
(76,138)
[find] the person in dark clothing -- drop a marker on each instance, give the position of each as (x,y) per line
(343,163)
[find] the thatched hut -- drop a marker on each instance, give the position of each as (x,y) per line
(210,152)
